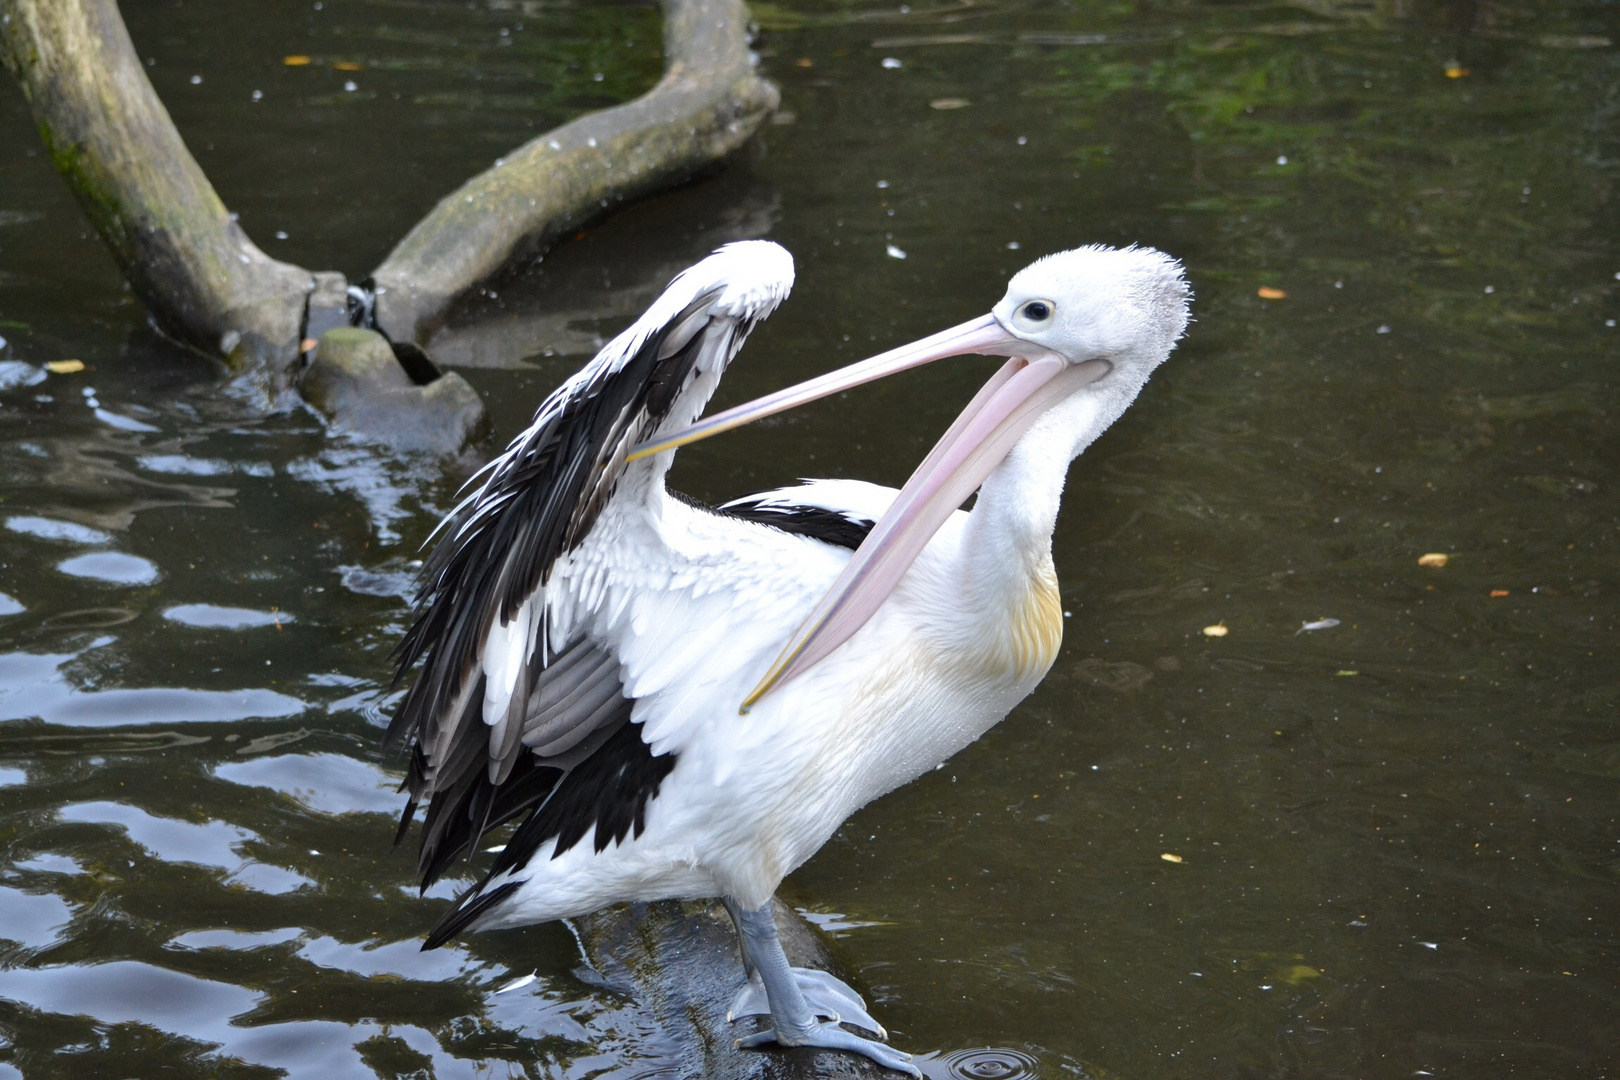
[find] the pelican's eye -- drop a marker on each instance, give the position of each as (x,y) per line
(1034,315)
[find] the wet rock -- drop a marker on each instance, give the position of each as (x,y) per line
(328,305)
(679,962)
(363,390)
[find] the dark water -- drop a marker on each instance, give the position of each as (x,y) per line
(1396,840)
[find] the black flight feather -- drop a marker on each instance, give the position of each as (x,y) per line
(817,522)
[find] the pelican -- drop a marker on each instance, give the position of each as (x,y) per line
(682,701)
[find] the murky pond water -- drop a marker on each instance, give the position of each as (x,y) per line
(1384,848)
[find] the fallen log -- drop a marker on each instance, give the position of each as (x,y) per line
(679,962)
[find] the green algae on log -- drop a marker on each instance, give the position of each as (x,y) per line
(708,103)
(202,280)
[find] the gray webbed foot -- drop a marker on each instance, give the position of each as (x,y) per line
(829,998)
(805,1006)
(830,1036)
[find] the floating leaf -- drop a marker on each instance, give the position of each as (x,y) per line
(1435,559)
(64,367)
(1218,630)
(1167,857)
(945,104)
(1499,592)
(295,61)
(1266,292)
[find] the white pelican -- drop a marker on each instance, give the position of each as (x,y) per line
(682,701)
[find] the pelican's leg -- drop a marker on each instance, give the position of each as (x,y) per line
(828,997)
(805,1006)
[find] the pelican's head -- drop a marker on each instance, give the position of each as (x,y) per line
(1094,321)
(1124,305)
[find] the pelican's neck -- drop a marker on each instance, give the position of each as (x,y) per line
(1009,531)
(1008,587)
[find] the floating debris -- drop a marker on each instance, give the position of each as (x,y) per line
(894,252)
(892,63)
(518,983)
(1319,624)
(64,367)
(295,61)
(1435,559)
(1499,593)
(1167,857)
(1218,630)
(945,104)
(1455,70)
(1266,292)
(1345,673)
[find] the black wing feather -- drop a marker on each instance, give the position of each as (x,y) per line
(816,522)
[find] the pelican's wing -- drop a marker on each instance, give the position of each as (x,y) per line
(683,629)
(491,733)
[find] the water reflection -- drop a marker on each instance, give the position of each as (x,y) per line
(112,567)
(124,991)
(34,686)
(324,783)
(212,843)
(50,529)
(32,920)
(218,617)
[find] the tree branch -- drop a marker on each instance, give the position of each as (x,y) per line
(709,102)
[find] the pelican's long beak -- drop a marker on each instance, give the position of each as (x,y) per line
(980,438)
(985,335)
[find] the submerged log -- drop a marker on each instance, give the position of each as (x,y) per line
(709,102)
(364,390)
(202,280)
(680,963)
